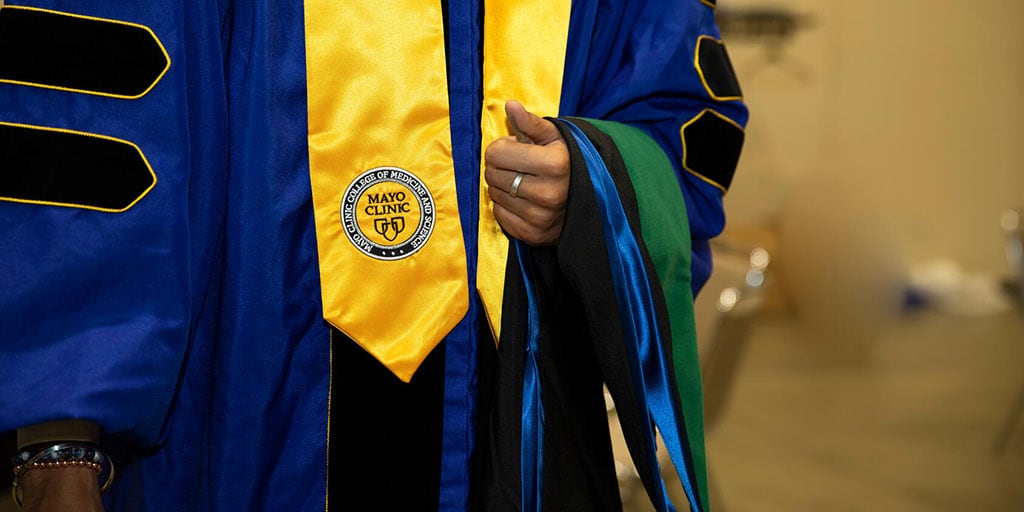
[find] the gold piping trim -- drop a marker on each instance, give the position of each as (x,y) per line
(709,4)
(700,71)
(682,137)
(330,391)
(82,206)
(159,44)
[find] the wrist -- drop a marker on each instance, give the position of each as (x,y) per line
(58,488)
(64,466)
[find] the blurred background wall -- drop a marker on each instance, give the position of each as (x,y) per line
(885,138)
(883,368)
(907,113)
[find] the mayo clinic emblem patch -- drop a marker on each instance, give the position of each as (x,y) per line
(387,213)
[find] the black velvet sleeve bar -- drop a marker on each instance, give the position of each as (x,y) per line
(78,53)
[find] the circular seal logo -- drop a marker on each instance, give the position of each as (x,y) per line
(387,213)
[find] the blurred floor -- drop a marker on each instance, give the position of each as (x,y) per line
(910,427)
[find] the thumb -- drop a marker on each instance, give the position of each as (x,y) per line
(528,125)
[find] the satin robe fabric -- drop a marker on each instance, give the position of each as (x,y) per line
(190,326)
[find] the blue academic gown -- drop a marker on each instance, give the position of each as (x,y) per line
(189,326)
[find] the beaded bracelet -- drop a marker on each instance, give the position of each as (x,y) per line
(58,465)
(62,455)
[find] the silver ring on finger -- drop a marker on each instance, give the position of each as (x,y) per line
(518,180)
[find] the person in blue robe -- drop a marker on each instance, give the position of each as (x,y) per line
(161,281)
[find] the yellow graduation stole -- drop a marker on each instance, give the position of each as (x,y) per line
(392,263)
